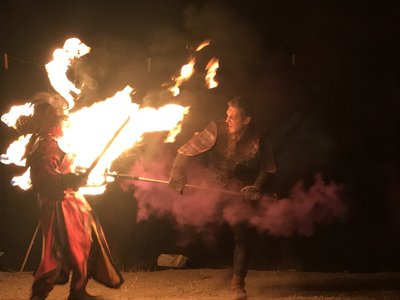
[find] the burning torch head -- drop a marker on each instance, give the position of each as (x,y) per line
(49,110)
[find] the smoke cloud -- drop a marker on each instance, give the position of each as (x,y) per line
(299,213)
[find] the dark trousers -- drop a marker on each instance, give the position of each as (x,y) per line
(243,239)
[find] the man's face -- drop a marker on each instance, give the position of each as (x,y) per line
(235,120)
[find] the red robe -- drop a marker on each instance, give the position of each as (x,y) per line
(69,226)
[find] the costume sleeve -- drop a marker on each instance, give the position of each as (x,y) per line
(179,166)
(46,177)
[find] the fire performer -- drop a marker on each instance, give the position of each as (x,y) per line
(240,158)
(74,242)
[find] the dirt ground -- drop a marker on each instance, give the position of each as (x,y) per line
(214,284)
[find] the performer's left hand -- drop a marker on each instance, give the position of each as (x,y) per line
(177,183)
(251,193)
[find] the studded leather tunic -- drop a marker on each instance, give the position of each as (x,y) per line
(233,160)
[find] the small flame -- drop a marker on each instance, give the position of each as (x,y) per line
(187,71)
(10,118)
(212,68)
(23,181)
(58,67)
(202,45)
(16,151)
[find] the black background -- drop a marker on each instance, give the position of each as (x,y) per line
(323,74)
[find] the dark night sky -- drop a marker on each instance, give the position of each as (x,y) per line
(333,111)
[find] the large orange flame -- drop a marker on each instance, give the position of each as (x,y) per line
(58,67)
(89,129)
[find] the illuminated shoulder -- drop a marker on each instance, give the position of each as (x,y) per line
(201,141)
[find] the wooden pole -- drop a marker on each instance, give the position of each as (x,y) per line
(153,180)
(5,56)
(30,247)
(96,161)
(148,64)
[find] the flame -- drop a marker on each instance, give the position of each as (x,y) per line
(23,181)
(91,128)
(16,151)
(88,132)
(202,45)
(211,68)
(92,190)
(58,67)
(187,71)
(10,118)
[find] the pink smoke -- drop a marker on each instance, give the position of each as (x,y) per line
(196,207)
(299,213)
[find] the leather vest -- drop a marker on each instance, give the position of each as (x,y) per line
(232,161)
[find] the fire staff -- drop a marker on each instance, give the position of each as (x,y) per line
(238,156)
(74,242)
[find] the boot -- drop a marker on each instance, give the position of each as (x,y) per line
(238,288)
(78,291)
(37,298)
(82,295)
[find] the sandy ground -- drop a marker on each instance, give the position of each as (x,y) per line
(214,284)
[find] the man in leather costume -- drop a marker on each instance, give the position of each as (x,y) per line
(73,240)
(239,156)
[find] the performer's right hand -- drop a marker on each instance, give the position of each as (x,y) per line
(73,181)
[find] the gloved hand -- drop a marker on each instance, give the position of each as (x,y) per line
(177,178)
(73,181)
(177,183)
(251,193)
